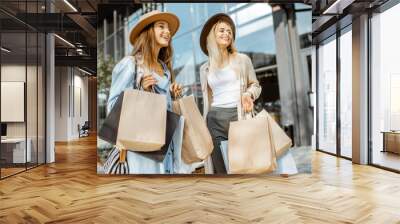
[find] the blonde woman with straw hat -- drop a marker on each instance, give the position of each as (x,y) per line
(228,81)
(148,68)
(230,87)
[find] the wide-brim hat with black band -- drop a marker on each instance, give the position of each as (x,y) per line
(209,24)
(151,17)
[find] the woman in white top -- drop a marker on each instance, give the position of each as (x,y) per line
(229,83)
(229,87)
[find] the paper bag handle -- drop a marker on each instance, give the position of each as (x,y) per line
(180,95)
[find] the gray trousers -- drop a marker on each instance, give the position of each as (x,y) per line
(218,120)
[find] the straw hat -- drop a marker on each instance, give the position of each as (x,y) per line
(209,24)
(151,17)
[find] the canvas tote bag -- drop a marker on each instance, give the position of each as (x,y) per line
(197,142)
(282,142)
(250,147)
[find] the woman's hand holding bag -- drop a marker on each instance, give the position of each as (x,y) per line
(176,90)
(197,142)
(251,149)
(148,82)
(247,103)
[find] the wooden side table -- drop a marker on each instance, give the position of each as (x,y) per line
(391,141)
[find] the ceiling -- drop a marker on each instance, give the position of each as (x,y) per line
(332,15)
(74,21)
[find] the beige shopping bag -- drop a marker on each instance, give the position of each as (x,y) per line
(281,140)
(142,122)
(249,150)
(197,142)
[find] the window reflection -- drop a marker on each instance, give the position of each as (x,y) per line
(250,13)
(327,96)
(385,89)
(346,93)
(255,37)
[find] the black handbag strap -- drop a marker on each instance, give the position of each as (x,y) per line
(134,78)
(134,84)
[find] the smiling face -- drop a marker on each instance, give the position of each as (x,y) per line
(223,34)
(162,33)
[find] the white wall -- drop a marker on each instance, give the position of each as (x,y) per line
(33,127)
(16,73)
(79,112)
(61,103)
(70,83)
(13,73)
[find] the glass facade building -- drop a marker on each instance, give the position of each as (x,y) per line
(255,37)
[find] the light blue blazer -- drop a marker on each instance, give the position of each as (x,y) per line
(125,76)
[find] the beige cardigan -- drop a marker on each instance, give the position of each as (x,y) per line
(248,85)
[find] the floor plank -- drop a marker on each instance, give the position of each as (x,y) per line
(386,159)
(70,191)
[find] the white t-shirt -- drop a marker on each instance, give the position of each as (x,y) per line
(225,87)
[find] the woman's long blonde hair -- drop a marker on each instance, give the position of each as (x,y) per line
(214,52)
(145,47)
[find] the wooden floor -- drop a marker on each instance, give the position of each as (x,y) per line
(5,172)
(10,171)
(69,191)
(387,159)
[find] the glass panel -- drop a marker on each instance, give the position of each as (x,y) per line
(187,58)
(301,6)
(32,88)
(110,28)
(252,37)
(201,58)
(121,45)
(183,50)
(183,10)
(110,47)
(385,84)
(214,8)
(200,14)
(22,88)
(303,24)
(249,15)
(41,99)
(346,94)
(31,98)
(185,65)
(255,37)
(13,77)
(327,96)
